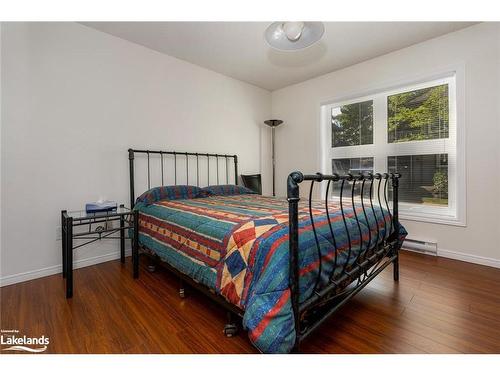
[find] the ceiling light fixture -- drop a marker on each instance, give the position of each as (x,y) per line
(293,36)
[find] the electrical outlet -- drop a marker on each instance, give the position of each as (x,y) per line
(58,233)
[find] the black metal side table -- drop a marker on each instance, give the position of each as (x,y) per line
(128,219)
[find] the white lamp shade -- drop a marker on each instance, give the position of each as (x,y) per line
(292,36)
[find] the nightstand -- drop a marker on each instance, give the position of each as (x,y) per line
(108,223)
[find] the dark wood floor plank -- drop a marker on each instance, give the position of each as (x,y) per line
(438,306)
(462,335)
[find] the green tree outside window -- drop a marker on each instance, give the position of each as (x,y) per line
(418,115)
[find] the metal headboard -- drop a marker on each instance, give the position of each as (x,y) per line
(183,156)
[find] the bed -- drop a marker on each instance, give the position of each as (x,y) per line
(283,265)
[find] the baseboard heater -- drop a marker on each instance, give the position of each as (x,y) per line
(420,246)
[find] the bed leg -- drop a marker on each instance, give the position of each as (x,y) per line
(182,292)
(231,328)
(395,264)
(152,265)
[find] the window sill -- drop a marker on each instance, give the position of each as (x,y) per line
(432,218)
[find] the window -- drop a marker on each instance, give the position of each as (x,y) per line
(418,115)
(352,165)
(352,124)
(425,178)
(410,130)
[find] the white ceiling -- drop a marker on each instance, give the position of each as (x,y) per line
(238,49)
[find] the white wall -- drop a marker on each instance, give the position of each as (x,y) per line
(64,84)
(73,101)
(477,49)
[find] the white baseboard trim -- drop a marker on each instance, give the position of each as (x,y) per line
(52,270)
(485,261)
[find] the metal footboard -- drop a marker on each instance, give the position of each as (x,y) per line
(359,269)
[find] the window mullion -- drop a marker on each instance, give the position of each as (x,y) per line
(380,133)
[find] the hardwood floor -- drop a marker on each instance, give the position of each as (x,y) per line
(438,306)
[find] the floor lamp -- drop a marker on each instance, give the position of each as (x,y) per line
(273,124)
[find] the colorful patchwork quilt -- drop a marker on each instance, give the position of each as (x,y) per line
(237,245)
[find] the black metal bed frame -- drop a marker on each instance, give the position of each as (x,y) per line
(354,276)
(185,156)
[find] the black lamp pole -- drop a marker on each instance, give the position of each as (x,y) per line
(273,124)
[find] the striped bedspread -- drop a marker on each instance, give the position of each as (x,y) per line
(238,246)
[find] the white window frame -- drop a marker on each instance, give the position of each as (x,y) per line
(454,214)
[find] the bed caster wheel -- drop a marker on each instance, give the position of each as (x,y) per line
(182,293)
(151,268)
(230,330)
